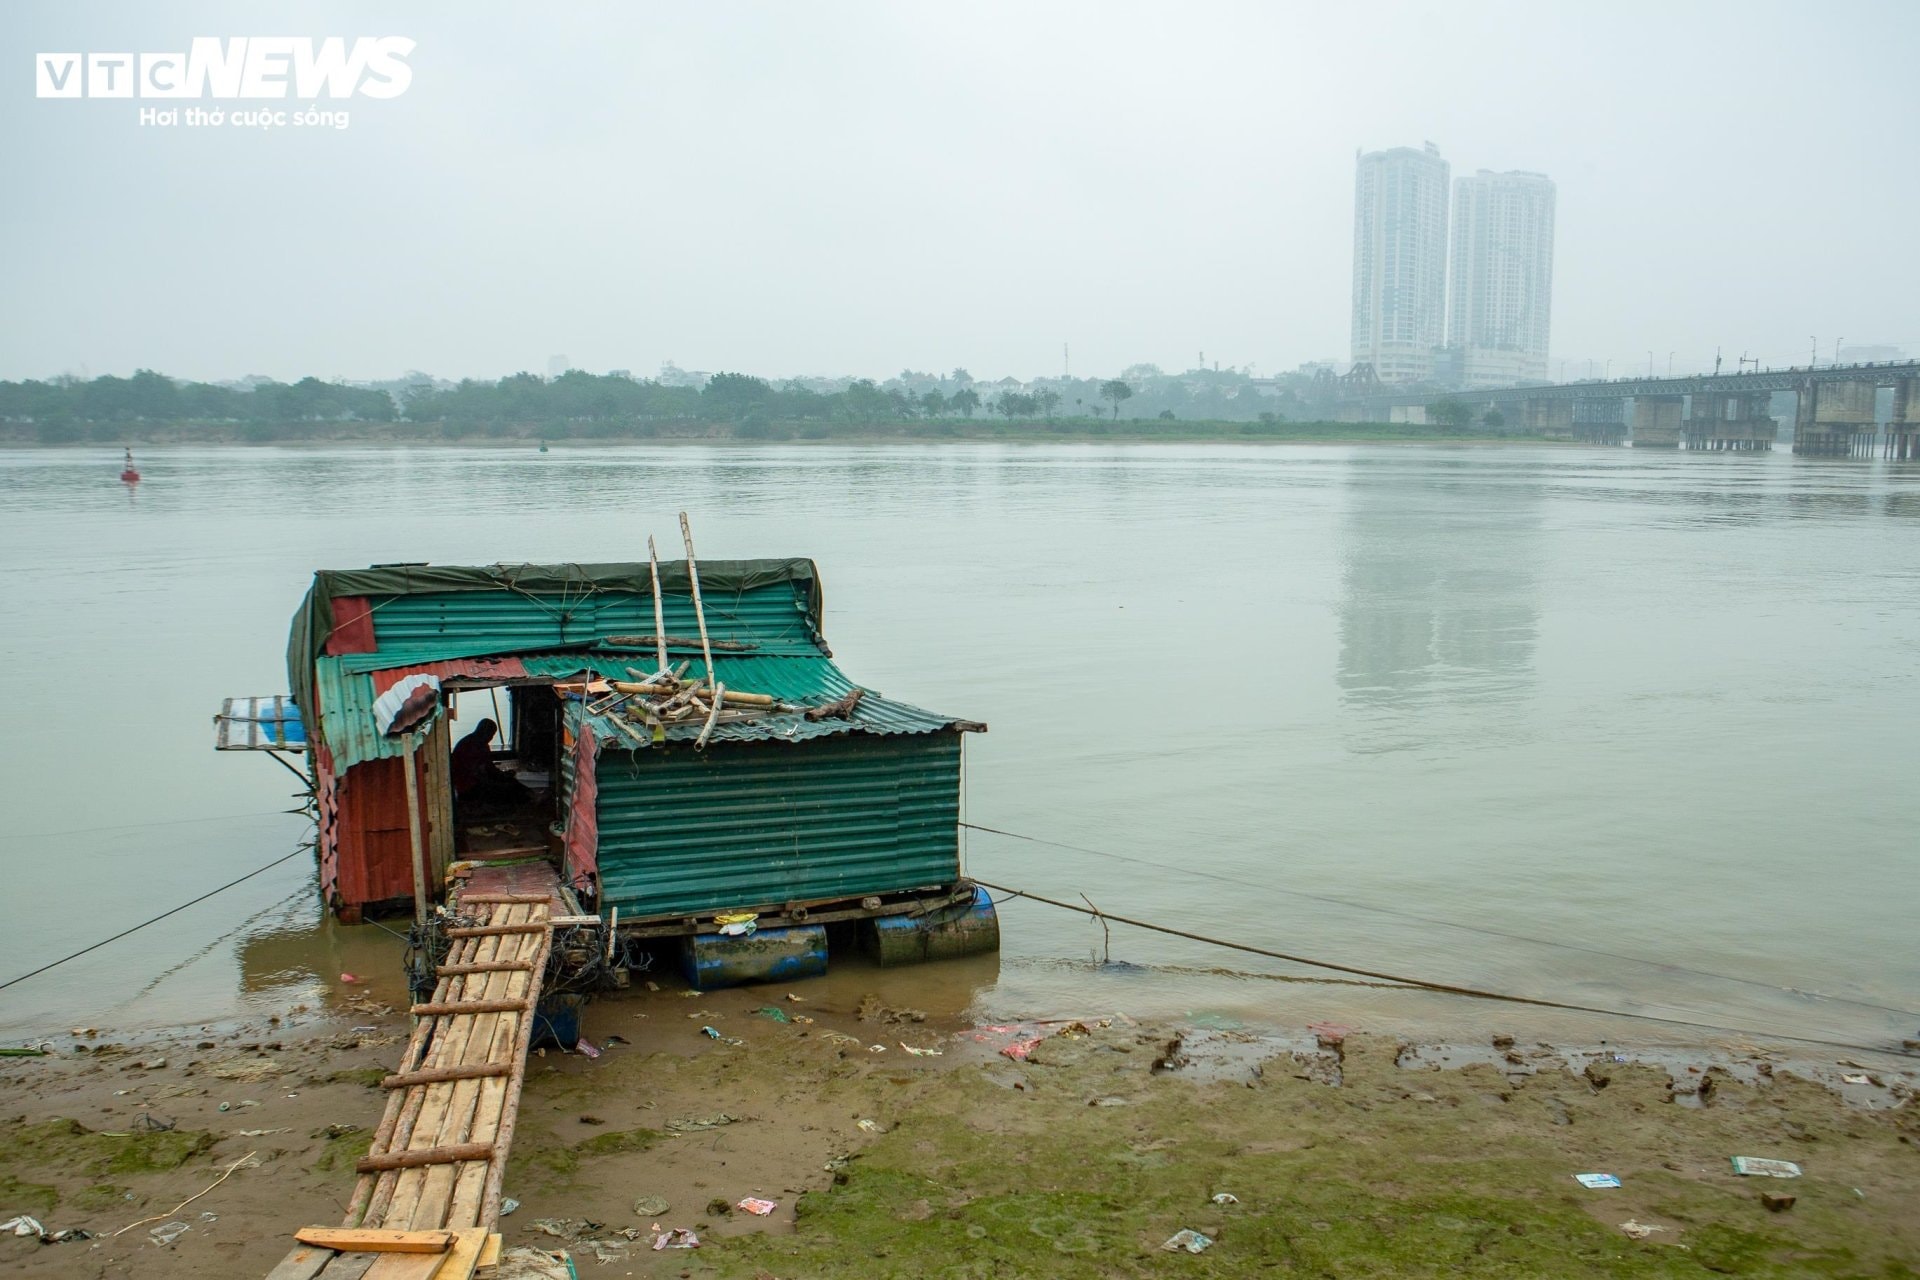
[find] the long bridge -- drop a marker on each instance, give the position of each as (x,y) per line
(1834,412)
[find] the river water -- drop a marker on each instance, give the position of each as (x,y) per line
(1623,729)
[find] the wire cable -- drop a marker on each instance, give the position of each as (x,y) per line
(156,920)
(1423,984)
(1448,924)
(139,826)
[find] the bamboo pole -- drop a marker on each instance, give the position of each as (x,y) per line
(659,610)
(413,838)
(713,717)
(510,1107)
(699,610)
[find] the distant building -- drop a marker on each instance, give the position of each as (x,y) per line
(621,373)
(1399,261)
(557,365)
(1500,294)
(1870,353)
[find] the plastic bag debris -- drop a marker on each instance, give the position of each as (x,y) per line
(1019,1049)
(711,1034)
(693,1124)
(508,1205)
(584,1045)
(920,1053)
(1226,1197)
(771,1011)
(677,1238)
(167,1232)
(1639,1230)
(26,1226)
(1187,1238)
(533,1264)
(650,1206)
(871,1126)
(1852,1079)
(759,1208)
(349,978)
(1754,1167)
(1594,1181)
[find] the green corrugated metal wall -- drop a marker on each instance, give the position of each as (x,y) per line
(760,823)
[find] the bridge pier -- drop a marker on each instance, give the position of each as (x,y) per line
(1730,420)
(1656,421)
(1834,419)
(1549,417)
(1600,421)
(1903,430)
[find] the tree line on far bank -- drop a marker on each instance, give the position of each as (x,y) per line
(65,410)
(614,406)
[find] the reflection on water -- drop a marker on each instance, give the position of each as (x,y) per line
(1441,591)
(1597,725)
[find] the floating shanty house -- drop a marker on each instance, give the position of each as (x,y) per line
(820,802)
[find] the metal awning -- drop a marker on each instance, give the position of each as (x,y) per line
(271,723)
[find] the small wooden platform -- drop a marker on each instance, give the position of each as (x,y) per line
(428,1199)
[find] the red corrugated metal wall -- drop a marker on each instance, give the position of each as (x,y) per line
(374,855)
(352,626)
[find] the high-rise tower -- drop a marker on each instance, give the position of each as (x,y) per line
(1501,293)
(1399,261)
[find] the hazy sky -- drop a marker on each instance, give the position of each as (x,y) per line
(857,188)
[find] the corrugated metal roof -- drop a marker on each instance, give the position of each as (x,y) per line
(805,682)
(347,691)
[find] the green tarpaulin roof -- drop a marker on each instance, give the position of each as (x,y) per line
(425,612)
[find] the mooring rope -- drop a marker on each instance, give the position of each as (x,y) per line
(1448,924)
(156,920)
(1425,984)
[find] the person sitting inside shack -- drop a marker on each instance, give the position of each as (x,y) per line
(476,779)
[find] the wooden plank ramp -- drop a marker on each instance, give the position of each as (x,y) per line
(427,1204)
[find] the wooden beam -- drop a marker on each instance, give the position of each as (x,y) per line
(350,1240)
(484,966)
(434,1075)
(448,1008)
(493,930)
(405,1266)
(528,899)
(425,1156)
(468,1247)
(304,1263)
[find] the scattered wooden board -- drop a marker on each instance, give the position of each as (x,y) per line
(363,1240)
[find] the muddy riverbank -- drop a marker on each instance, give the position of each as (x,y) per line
(1066,1148)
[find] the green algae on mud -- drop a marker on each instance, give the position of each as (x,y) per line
(1386,1172)
(68,1146)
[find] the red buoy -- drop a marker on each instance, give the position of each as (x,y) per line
(130,474)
